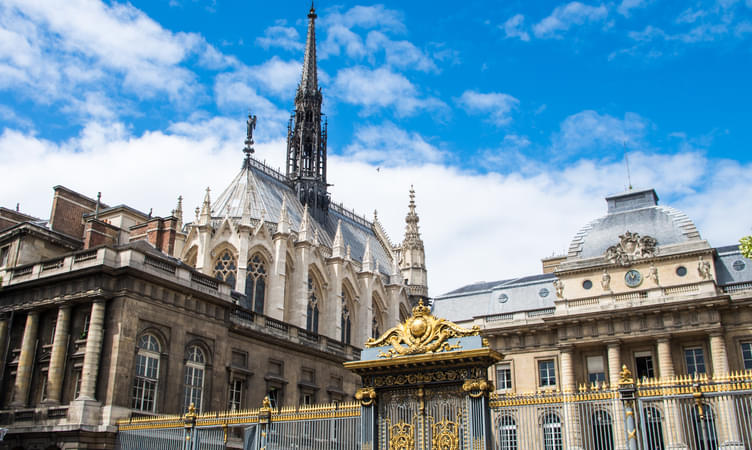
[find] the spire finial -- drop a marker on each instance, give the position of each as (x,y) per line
(312,12)
(248,149)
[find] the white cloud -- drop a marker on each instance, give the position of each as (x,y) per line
(367,17)
(497,226)
(381,88)
(287,38)
(401,54)
(589,130)
(564,17)
(388,145)
(626,6)
(514,27)
(496,105)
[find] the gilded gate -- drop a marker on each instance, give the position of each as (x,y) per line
(425,386)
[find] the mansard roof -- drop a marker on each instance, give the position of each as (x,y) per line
(637,212)
(265,188)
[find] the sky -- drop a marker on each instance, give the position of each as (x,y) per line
(513,120)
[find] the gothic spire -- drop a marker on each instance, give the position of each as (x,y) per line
(412,234)
(306,135)
(309,81)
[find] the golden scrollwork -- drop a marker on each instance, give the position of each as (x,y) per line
(446,435)
(625,376)
(402,437)
(365,395)
(421,333)
(428,377)
(477,387)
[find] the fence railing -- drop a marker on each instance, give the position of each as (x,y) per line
(688,412)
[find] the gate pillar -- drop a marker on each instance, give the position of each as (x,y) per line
(425,387)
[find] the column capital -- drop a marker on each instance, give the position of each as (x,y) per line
(717,332)
(566,348)
(613,343)
(663,339)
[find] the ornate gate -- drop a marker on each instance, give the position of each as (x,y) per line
(420,418)
(425,387)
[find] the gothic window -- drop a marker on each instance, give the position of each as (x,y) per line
(376,321)
(225,268)
(345,320)
(552,432)
(146,381)
(403,314)
(255,284)
(195,367)
(312,315)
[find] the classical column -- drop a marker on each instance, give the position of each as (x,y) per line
(614,368)
(573,437)
(93,350)
(26,360)
(665,362)
(58,354)
(728,431)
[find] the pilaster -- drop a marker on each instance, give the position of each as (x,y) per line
(26,360)
(93,351)
(56,369)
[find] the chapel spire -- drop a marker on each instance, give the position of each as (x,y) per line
(413,256)
(306,137)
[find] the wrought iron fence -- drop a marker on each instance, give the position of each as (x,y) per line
(697,413)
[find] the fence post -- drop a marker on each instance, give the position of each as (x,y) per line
(627,392)
(189,426)
(697,394)
(368,434)
(264,420)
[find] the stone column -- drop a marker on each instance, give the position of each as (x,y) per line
(93,350)
(56,369)
(573,437)
(726,422)
(614,368)
(665,362)
(26,360)
(671,410)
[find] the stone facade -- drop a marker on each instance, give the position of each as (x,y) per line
(639,287)
(109,313)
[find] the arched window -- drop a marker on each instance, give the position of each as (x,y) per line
(705,439)
(195,367)
(653,428)
(507,433)
(312,315)
(225,268)
(403,314)
(603,433)
(146,381)
(345,320)
(255,283)
(552,432)
(376,321)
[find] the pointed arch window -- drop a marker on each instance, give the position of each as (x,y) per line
(255,283)
(195,368)
(226,268)
(312,315)
(345,323)
(376,321)
(146,380)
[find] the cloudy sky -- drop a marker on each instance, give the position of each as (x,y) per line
(511,119)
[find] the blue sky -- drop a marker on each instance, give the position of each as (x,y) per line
(510,119)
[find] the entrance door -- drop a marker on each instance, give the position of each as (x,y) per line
(423,419)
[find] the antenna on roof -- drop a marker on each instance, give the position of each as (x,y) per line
(626,161)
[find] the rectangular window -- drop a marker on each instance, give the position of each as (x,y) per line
(747,355)
(504,377)
(4,255)
(77,385)
(644,365)
(547,372)
(695,360)
(275,395)
(307,398)
(595,368)
(236,395)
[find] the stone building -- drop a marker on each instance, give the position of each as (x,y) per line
(109,313)
(638,287)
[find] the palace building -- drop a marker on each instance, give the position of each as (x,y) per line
(109,313)
(638,287)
